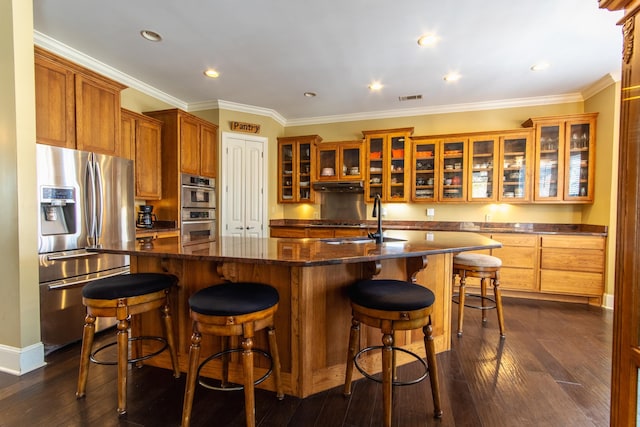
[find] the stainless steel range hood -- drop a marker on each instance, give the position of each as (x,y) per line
(339,186)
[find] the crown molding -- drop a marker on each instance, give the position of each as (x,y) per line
(441,109)
(602,83)
(93,64)
(234,106)
(78,57)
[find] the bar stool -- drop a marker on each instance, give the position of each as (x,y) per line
(392,305)
(122,297)
(233,309)
(484,267)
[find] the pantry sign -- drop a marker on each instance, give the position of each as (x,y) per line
(245,127)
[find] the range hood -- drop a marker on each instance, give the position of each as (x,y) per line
(339,187)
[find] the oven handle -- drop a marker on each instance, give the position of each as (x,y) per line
(63,284)
(197,222)
(200,188)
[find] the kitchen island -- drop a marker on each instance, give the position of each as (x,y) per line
(311,276)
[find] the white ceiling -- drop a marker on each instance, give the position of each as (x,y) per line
(270,52)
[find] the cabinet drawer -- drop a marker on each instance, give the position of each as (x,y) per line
(320,232)
(516,256)
(571,282)
(516,239)
(298,232)
(518,279)
(572,260)
(573,242)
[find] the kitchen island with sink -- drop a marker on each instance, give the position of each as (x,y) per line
(312,277)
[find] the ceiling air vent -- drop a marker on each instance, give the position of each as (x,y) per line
(410,98)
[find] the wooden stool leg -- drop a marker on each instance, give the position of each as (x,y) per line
(192,374)
(87,344)
(387,378)
(430,350)
(483,294)
(351,353)
(461,301)
(224,346)
(498,296)
(168,327)
(123,352)
(275,356)
(247,372)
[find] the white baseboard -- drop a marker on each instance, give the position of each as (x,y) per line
(607,301)
(19,361)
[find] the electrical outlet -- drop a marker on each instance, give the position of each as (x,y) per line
(383,211)
(431,212)
(487,218)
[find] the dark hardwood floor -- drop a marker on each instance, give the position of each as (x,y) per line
(553,369)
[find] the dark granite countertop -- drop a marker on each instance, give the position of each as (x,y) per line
(479,227)
(307,252)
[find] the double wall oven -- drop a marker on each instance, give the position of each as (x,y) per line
(198,216)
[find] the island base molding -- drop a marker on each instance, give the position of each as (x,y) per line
(313,319)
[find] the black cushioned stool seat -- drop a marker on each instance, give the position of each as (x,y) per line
(121,297)
(483,267)
(392,305)
(233,309)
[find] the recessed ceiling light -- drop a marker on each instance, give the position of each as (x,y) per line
(452,77)
(375,86)
(152,36)
(309,94)
(427,40)
(540,66)
(212,73)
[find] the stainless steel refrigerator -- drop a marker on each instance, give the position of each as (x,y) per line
(85,199)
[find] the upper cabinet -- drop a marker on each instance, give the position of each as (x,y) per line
(296,167)
(425,170)
(516,167)
(565,157)
(453,170)
(340,160)
(75,107)
(190,141)
(141,142)
(483,165)
(388,154)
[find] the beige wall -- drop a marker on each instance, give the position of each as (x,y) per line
(134,100)
(19,298)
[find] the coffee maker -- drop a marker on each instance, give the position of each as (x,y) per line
(146,217)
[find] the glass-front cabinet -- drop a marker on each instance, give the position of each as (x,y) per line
(483,182)
(516,151)
(452,179)
(565,155)
(425,175)
(296,166)
(339,161)
(387,157)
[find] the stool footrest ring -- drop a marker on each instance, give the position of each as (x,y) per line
(456,299)
(93,358)
(395,383)
(205,384)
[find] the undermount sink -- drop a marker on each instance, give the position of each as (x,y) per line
(356,240)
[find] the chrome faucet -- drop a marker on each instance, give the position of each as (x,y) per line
(377,213)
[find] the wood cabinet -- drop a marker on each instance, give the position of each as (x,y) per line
(572,265)
(387,164)
(296,166)
(190,140)
(340,160)
(425,170)
(519,255)
(483,164)
(565,157)
(75,107)
(515,167)
(142,142)
(454,171)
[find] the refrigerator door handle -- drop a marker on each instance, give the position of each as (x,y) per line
(90,203)
(71,256)
(67,284)
(99,197)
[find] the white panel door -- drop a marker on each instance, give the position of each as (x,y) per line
(243,196)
